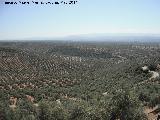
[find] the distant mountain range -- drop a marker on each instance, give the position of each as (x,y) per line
(108,37)
(125,37)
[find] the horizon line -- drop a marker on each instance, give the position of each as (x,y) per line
(87,34)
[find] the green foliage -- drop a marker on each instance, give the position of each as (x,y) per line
(51,111)
(125,106)
(48,71)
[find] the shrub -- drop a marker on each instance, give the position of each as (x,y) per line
(125,106)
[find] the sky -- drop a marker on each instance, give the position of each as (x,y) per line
(85,17)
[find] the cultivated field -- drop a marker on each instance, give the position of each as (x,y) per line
(47,80)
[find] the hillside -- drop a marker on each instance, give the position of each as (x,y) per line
(74,80)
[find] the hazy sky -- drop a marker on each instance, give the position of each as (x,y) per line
(86,16)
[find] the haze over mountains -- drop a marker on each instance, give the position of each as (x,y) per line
(122,37)
(108,37)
